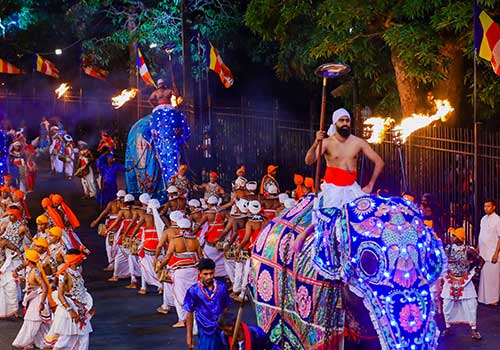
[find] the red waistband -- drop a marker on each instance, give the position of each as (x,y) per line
(340,177)
(164,103)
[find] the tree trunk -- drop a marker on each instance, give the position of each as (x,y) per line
(452,86)
(409,94)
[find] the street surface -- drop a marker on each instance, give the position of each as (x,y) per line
(126,321)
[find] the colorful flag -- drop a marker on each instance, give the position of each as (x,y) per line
(215,63)
(46,67)
(487,38)
(8,68)
(143,69)
(93,71)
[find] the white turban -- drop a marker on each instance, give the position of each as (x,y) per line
(341,112)
(144,198)
(194,203)
(121,193)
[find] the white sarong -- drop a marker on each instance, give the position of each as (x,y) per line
(183,279)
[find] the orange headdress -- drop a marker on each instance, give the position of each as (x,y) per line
(298,179)
(34,257)
(70,259)
(16,213)
(309,182)
(57,199)
(213,174)
(54,215)
(240,171)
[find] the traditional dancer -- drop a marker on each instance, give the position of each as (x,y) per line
(122,225)
(181,182)
(459,295)
(72,318)
(269,179)
(37,315)
(215,220)
(270,202)
(207,299)
(10,260)
(182,255)
(110,213)
(14,230)
(211,188)
(57,248)
(175,201)
(240,181)
(86,174)
(56,164)
(253,226)
(149,242)
(300,190)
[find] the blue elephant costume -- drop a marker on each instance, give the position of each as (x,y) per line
(378,248)
(154,143)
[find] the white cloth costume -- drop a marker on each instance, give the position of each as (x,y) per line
(489,283)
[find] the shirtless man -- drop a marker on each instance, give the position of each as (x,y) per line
(253,226)
(175,202)
(341,151)
(110,213)
(149,243)
(182,255)
(271,203)
(14,230)
(121,226)
(33,329)
(181,181)
(163,95)
(211,188)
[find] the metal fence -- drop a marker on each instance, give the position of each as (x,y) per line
(437,160)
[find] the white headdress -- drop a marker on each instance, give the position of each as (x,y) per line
(144,198)
(341,112)
(153,206)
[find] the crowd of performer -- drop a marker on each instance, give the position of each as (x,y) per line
(43,268)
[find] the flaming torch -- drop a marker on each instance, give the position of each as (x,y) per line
(125,96)
(375,128)
(61,90)
(418,121)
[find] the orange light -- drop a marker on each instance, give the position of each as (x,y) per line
(377,127)
(125,96)
(61,90)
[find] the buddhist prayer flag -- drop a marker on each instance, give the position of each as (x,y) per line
(94,71)
(143,69)
(215,63)
(46,67)
(487,38)
(8,68)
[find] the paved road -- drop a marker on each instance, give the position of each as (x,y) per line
(125,320)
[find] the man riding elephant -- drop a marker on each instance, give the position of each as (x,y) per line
(353,253)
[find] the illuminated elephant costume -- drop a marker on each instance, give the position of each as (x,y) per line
(380,255)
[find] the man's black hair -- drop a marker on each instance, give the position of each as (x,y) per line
(226,319)
(206,264)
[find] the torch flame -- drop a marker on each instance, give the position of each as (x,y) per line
(378,126)
(61,90)
(125,96)
(418,121)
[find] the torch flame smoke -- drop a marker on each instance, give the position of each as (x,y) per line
(125,96)
(378,126)
(61,90)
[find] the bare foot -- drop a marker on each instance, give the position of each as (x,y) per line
(142,291)
(476,335)
(113,279)
(108,268)
(161,310)
(131,286)
(180,324)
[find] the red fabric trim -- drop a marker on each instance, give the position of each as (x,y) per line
(246,335)
(340,177)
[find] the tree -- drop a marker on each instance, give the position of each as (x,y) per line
(400,50)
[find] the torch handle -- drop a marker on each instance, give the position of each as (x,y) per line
(320,143)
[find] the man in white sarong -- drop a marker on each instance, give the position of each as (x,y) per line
(9,261)
(56,164)
(215,219)
(69,156)
(489,246)
(37,315)
(181,257)
(71,325)
(86,174)
(459,295)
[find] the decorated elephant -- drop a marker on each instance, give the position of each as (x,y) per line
(382,261)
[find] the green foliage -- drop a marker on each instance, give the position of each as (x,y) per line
(365,34)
